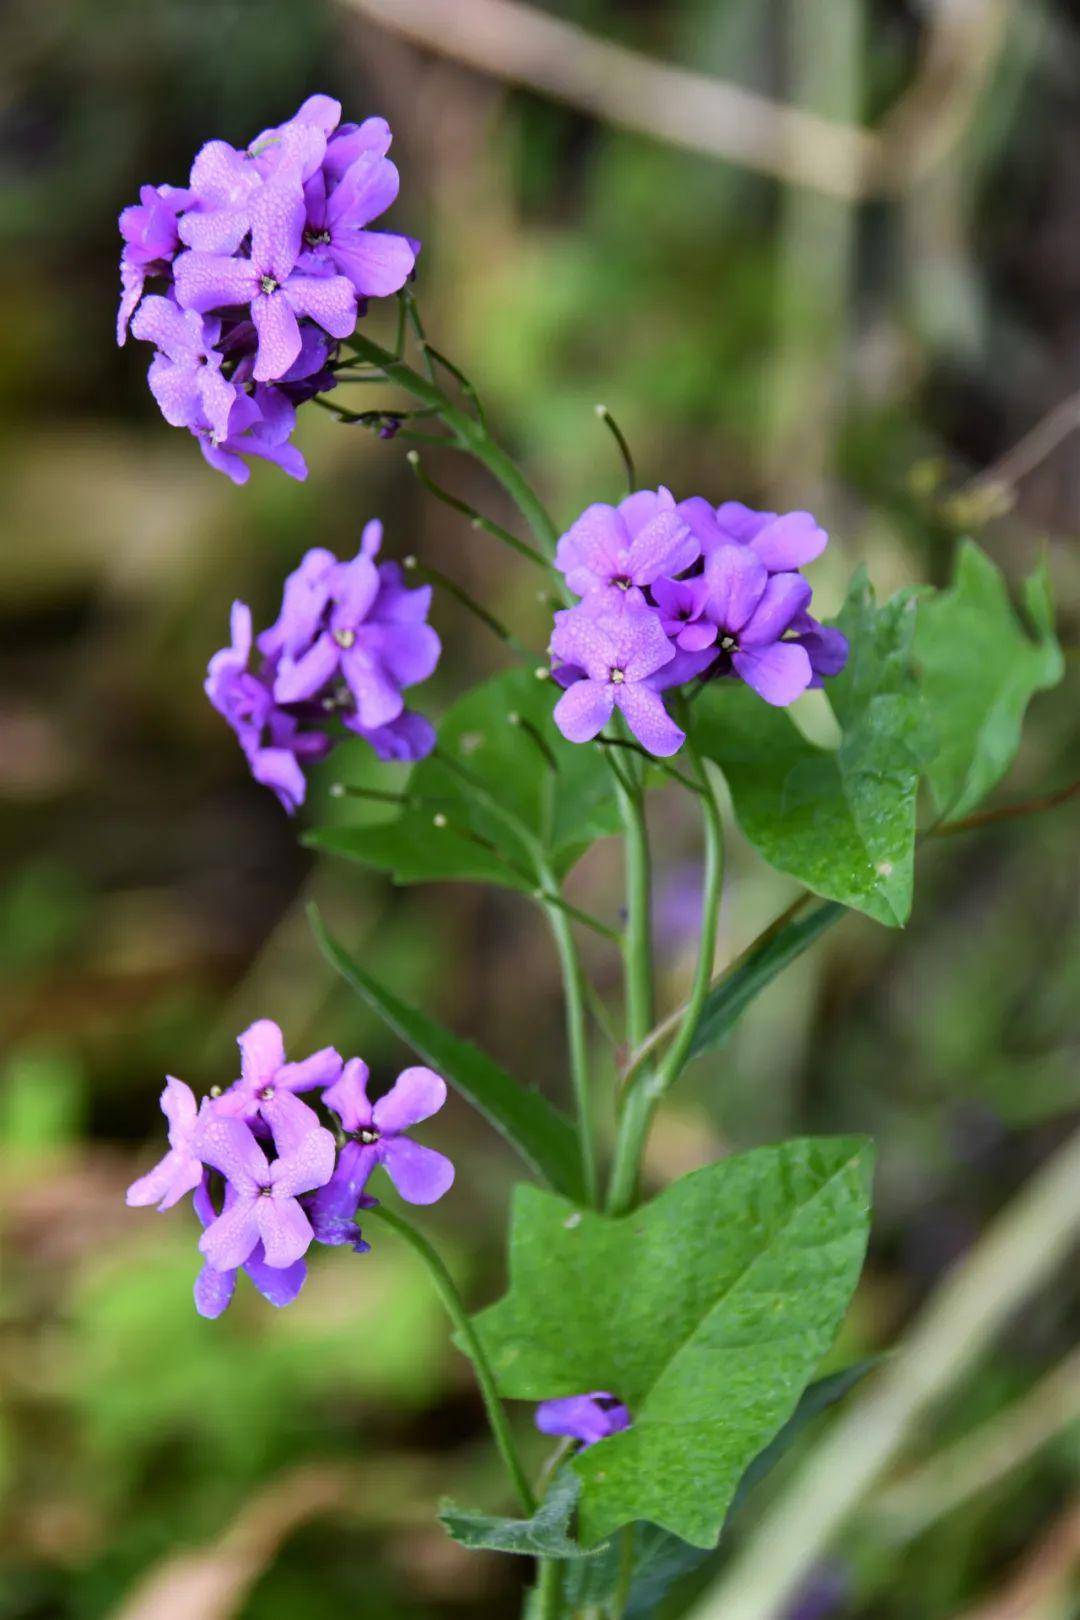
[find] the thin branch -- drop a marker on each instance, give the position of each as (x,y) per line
(524,45)
(1007,812)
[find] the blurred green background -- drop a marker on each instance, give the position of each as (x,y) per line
(756,340)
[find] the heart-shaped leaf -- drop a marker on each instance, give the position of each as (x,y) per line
(705,1310)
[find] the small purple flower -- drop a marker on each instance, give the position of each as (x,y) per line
(587,1418)
(782,543)
(265,1076)
(753,610)
(420,1174)
(375,636)
(335,238)
(180,1171)
(616,653)
(268,282)
(214,1289)
(618,550)
(265,1206)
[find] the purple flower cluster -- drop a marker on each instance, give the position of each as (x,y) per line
(265,260)
(268,1178)
(349,638)
(677,591)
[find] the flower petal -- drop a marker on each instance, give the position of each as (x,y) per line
(306,1166)
(300,679)
(348,1096)
(737,579)
(779,673)
(584,710)
(376,263)
(649,720)
(278,1284)
(229,1240)
(420,1175)
(262,1052)
(664,546)
(279,335)
(284,1228)
(229,1146)
(783,597)
(214,1291)
(322,1068)
(207,281)
(789,542)
(416,1094)
(329,300)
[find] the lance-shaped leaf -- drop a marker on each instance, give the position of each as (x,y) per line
(544,1137)
(503,782)
(706,1311)
(979,669)
(840,820)
(730,997)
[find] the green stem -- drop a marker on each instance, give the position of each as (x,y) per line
(576,1031)
(645,1091)
(638,946)
(446,1289)
(469,435)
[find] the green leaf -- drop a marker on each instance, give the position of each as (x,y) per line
(840,820)
(499,794)
(705,1311)
(728,1000)
(545,1535)
(979,670)
(545,1138)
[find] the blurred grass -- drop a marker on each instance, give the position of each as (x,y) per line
(150,900)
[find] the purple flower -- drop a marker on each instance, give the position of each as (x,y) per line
(781,543)
(265,1207)
(374,636)
(587,1418)
(420,1174)
(181,1169)
(335,238)
(616,653)
(618,550)
(151,241)
(752,610)
(185,377)
(214,1289)
(268,282)
(265,1076)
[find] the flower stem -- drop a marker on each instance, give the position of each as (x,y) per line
(649,1085)
(469,435)
(638,948)
(446,1289)
(576,1031)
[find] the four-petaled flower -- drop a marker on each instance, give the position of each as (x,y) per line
(420,1174)
(615,653)
(752,610)
(265,1205)
(265,1077)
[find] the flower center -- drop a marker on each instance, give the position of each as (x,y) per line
(316,238)
(618,676)
(268,284)
(266,1094)
(266,1192)
(368,1136)
(623,581)
(726,642)
(345,638)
